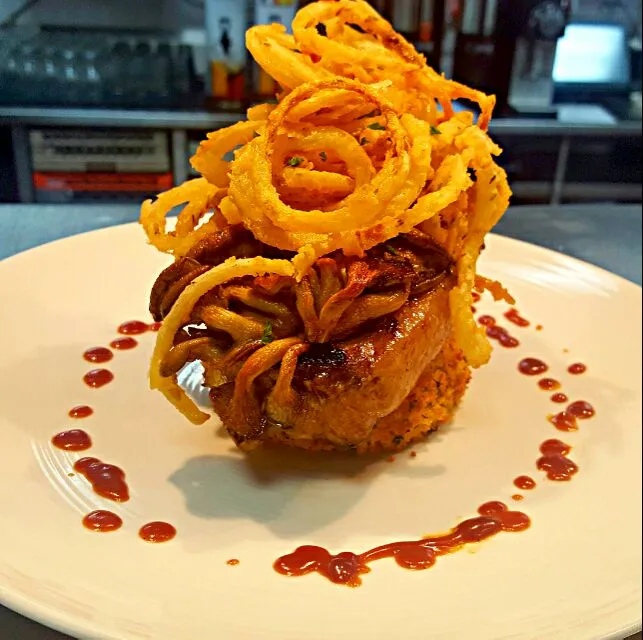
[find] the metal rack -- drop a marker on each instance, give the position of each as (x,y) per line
(179,123)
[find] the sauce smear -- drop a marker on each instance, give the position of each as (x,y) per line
(157,532)
(555,462)
(72,440)
(532,367)
(132,328)
(97,378)
(81,411)
(347,567)
(98,355)
(107,480)
(102,521)
(123,344)
(513,316)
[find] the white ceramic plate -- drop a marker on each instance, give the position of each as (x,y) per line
(576,573)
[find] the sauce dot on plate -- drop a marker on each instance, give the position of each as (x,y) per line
(123,344)
(97,378)
(81,411)
(72,440)
(102,521)
(98,355)
(577,368)
(532,367)
(157,532)
(133,327)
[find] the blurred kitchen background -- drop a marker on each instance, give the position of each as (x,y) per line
(105,100)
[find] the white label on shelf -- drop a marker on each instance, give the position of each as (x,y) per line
(225,23)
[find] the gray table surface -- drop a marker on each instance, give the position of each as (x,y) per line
(607,235)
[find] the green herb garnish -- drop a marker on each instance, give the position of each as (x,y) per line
(267,336)
(392,250)
(323,156)
(295,161)
(376,126)
(435,131)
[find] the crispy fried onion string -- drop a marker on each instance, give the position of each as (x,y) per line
(355,42)
(180,315)
(363,145)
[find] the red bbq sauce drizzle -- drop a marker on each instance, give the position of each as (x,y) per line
(502,336)
(347,567)
(81,411)
(98,355)
(514,316)
(107,480)
(549,384)
(155,326)
(526,483)
(559,398)
(97,378)
(123,344)
(577,368)
(72,440)
(157,532)
(487,321)
(132,328)
(532,367)
(555,462)
(102,521)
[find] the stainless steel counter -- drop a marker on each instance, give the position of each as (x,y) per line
(606,235)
